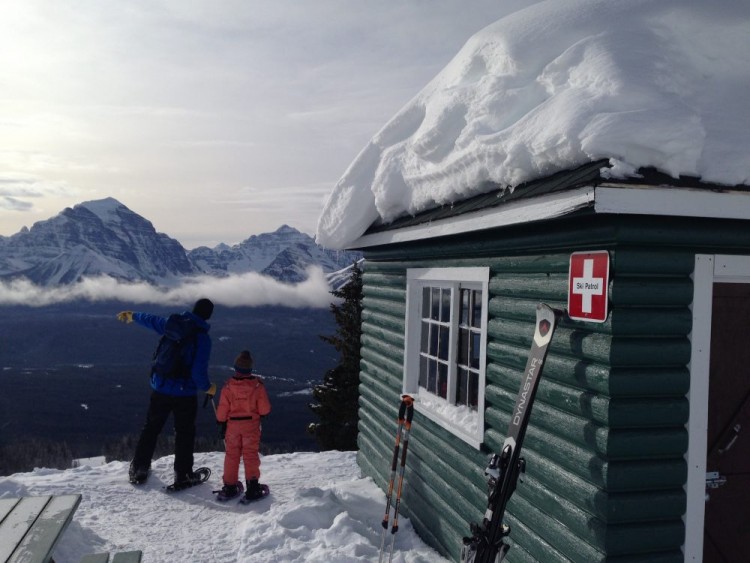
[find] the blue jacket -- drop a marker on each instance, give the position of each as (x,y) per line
(199,370)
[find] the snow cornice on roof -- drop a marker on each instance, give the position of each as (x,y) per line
(540,201)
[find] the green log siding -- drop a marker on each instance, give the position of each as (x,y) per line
(606,444)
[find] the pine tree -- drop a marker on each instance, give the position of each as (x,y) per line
(337,397)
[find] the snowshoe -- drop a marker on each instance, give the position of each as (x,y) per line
(187,480)
(229,492)
(255,491)
(138,475)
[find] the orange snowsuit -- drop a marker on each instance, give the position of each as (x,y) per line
(243,401)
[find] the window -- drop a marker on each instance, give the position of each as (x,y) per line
(445,347)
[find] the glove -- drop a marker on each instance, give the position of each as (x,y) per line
(125,317)
(222,429)
(211,391)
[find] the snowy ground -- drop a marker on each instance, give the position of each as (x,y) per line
(320,509)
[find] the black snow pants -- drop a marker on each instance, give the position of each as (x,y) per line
(184,410)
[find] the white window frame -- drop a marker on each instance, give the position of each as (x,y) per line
(430,405)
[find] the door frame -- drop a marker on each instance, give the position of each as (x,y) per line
(709,269)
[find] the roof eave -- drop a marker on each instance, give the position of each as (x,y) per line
(517,212)
(606,198)
(640,199)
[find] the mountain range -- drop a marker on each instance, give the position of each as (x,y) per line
(105,238)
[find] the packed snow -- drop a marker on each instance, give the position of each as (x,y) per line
(658,83)
(320,510)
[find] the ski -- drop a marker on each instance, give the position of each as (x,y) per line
(264,489)
(486,544)
(405,416)
(202,473)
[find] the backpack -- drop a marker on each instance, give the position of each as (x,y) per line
(173,357)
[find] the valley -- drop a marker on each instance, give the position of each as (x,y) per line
(73,373)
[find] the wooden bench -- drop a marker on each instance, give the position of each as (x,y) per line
(124,557)
(31,526)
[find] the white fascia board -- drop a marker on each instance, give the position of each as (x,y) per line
(676,202)
(513,213)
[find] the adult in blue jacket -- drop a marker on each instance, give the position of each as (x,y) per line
(174,395)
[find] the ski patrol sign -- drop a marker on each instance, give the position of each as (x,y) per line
(588,282)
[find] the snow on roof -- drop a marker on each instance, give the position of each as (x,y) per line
(659,83)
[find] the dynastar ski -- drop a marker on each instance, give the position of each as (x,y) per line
(486,544)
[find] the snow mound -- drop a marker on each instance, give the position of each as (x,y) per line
(319,510)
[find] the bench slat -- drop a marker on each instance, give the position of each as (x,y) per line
(124,557)
(95,558)
(127,557)
(6,505)
(16,524)
(37,546)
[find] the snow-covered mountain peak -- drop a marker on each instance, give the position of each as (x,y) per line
(105,238)
(286,230)
(105,209)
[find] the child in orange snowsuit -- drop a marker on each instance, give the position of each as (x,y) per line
(242,403)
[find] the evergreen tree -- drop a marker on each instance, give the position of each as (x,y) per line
(24,456)
(337,397)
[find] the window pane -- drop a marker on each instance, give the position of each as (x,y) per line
(443,380)
(462,387)
(434,333)
(463,346)
(435,304)
(476,317)
(475,344)
(423,371)
(445,333)
(424,338)
(432,376)
(473,390)
(464,315)
(445,306)
(425,302)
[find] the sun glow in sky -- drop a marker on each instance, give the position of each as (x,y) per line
(214,120)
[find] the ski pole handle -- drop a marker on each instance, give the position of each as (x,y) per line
(408,405)
(401,411)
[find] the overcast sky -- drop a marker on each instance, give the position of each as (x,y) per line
(215,120)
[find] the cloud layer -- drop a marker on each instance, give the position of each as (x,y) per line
(247,290)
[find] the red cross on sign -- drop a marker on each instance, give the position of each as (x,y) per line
(588,282)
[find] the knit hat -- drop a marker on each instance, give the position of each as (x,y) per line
(203,309)
(244,363)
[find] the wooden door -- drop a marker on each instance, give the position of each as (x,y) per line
(727,516)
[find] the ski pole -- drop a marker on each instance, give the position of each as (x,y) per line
(394,465)
(407,428)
